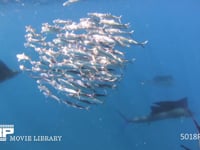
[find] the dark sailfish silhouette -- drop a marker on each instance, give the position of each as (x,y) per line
(163,80)
(164,110)
(5,72)
(160,80)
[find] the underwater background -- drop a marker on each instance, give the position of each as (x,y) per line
(172,29)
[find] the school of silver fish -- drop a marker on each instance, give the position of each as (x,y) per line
(76,63)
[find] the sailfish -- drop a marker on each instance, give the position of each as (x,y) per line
(5,72)
(164,110)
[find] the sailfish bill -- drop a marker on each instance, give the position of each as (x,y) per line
(5,72)
(164,110)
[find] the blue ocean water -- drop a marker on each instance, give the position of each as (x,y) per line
(172,29)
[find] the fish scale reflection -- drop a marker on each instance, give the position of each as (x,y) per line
(76,63)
